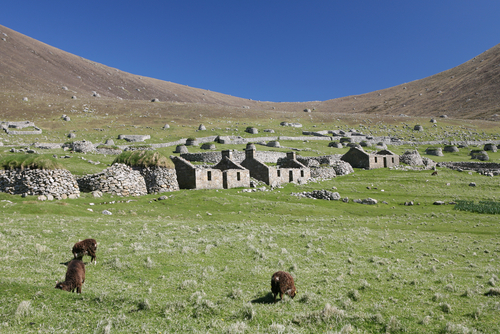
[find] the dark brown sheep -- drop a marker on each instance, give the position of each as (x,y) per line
(434,173)
(282,283)
(85,247)
(75,277)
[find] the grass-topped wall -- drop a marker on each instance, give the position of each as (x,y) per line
(23,161)
(144,159)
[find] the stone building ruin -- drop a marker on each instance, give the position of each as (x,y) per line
(289,169)
(358,158)
(224,175)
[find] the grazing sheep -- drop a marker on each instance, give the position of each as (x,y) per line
(282,283)
(85,247)
(75,277)
(434,173)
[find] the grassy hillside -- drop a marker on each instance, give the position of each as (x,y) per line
(201,261)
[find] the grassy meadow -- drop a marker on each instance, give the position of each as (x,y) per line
(201,261)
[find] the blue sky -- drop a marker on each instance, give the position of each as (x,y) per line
(273,50)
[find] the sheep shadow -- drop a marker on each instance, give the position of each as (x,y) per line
(267,299)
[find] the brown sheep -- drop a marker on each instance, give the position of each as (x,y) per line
(85,247)
(434,173)
(75,277)
(282,283)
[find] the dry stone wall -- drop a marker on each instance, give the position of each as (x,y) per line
(58,183)
(119,179)
(159,179)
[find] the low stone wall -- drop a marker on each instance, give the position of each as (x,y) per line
(108,151)
(323,173)
(471,165)
(134,138)
(59,183)
(159,179)
(47,146)
(119,179)
(329,160)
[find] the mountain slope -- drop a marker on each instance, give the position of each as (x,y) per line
(468,91)
(36,70)
(29,66)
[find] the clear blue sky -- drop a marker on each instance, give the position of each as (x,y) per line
(272,50)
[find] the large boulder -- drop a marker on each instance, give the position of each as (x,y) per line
(411,158)
(83,146)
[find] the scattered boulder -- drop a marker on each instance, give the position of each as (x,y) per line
(252,130)
(66,118)
(490,147)
(411,158)
(342,167)
(83,146)
(106,212)
(434,151)
(109,142)
(208,146)
(202,127)
(295,125)
(273,143)
(451,148)
(155,100)
(369,201)
(181,149)
(166,126)
(319,194)
(418,128)
(335,144)
(71,135)
(480,155)
(191,142)
(472,184)
(134,138)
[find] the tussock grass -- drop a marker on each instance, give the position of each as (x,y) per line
(144,158)
(31,161)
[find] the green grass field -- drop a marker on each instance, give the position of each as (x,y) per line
(201,261)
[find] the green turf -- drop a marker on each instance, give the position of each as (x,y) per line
(201,261)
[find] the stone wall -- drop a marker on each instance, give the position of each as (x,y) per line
(323,173)
(238,156)
(119,179)
(472,165)
(159,179)
(59,183)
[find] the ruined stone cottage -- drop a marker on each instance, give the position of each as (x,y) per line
(224,175)
(358,158)
(289,169)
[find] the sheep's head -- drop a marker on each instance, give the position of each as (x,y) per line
(291,292)
(62,286)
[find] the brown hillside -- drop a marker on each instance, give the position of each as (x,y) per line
(468,91)
(42,73)
(29,66)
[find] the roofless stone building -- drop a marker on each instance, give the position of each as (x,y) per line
(358,158)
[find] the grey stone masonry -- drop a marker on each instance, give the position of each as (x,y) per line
(119,179)
(134,138)
(59,183)
(159,179)
(82,146)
